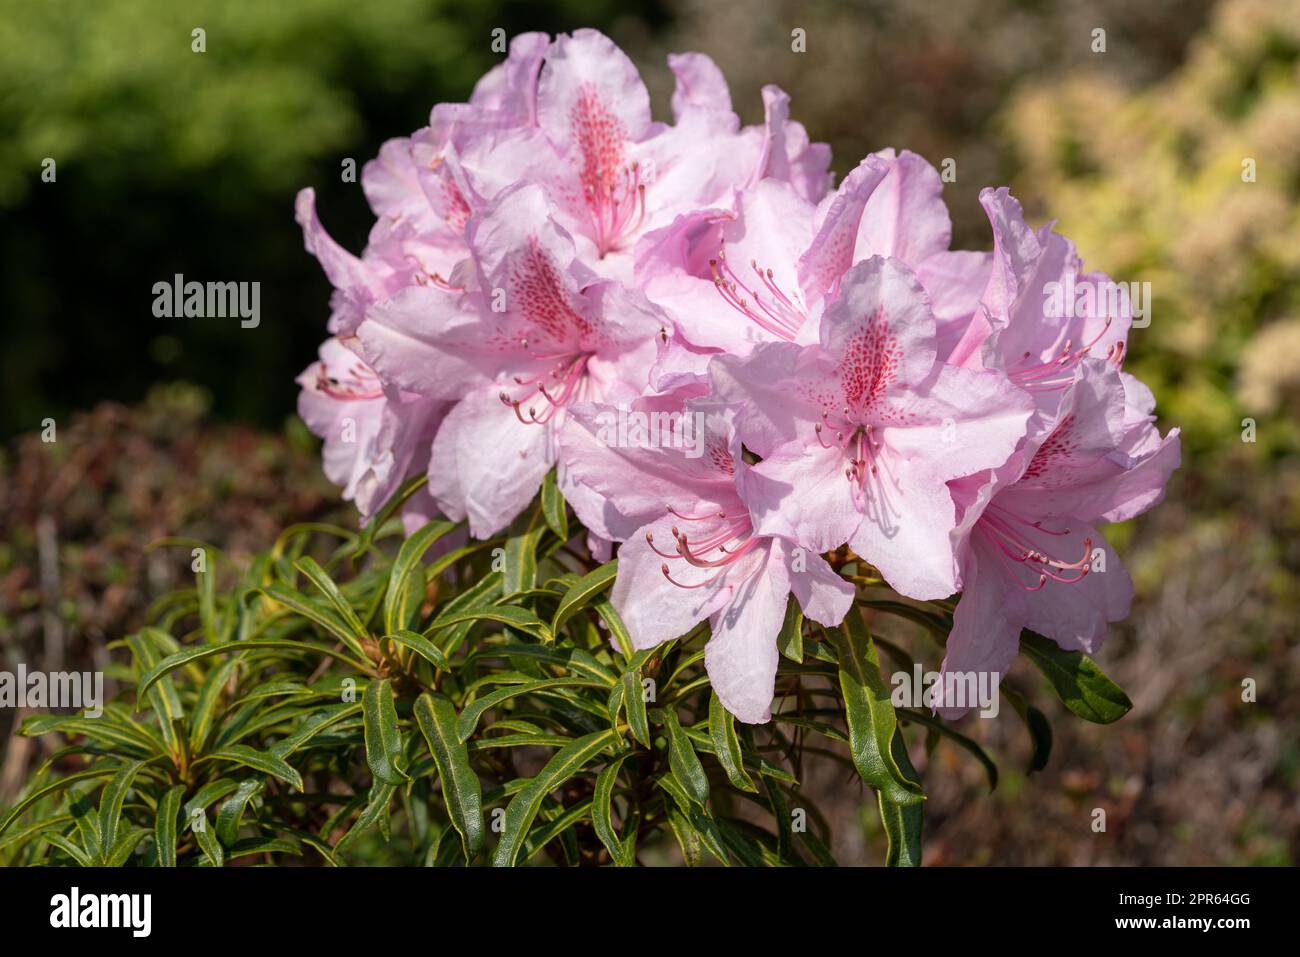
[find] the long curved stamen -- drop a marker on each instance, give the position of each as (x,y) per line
(568,383)
(355,383)
(1017,553)
(774,312)
(732,537)
(1057,373)
(616,207)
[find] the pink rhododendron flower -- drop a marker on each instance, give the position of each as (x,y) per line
(1029,550)
(546,255)
(860,433)
(692,552)
(374,436)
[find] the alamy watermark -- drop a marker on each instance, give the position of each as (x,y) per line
(952,689)
(1083,297)
(73,690)
(211,300)
(634,429)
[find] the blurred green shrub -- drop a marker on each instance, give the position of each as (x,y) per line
(174,161)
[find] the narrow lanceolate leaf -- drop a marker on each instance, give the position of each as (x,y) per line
(262,761)
(790,639)
(582,592)
(902,822)
(375,812)
(325,585)
(520,573)
(461,790)
(614,622)
(110,805)
(602,814)
(870,713)
(232,810)
(68,847)
(313,611)
(205,705)
(162,696)
(164,825)
(52,787)
(472,713)
(194,818)
(402,596)
(1079,683)
(183,658)
(523,808)
(520,618)
(683,761)
(383,740)
(722,732)
(553,507)
(125,846)
(634,705)
(422,646)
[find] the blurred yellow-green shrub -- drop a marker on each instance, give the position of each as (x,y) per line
(1193,185)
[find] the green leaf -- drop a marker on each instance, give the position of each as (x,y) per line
(383,740)
(313,725)
(521,618)
(602,817)
(65,845)
(461,790)
(232,810)
(520,573)
(1079,683)
(553,507)
(183,658)
(164,825)
(205,705)
(375,812)
(313,611)
(51,788)
(397,602)
(262,761)
(524,806)
(869,712)
(726,746)
(582,592)
(194,813)
(422,646)
(790,639)
(318,577)
(634,705)
(110,805)
(682,759)
(614,622)
(902,821)
(473,712)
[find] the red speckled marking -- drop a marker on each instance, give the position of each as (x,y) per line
(720,456)
(1059,445)
(600,137)
(537,293)
(870,363)
(457,210)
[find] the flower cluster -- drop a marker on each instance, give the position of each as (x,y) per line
(822,373)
